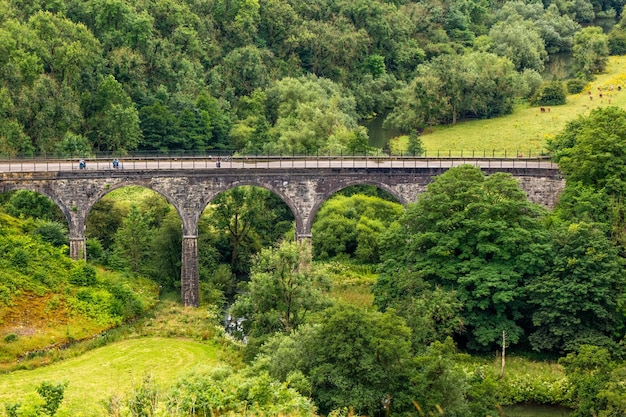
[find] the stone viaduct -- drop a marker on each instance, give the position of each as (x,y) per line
(304,190)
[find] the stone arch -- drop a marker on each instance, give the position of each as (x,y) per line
(345,184)
(266,185)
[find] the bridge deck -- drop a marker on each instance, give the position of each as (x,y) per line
(156,164)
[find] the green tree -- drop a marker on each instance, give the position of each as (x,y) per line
(105,217)
(113,120)
(592,150)
(52,232)
(557,30)
(478,236)
(614,394)
(590,51)
(166,251)
(282,292)
(157,126)
(24,203)
(278,24)
(349,226)
(352,358)
(132,240)
(442,387)
(13,141)
(590,153)
(50,398)
(48,110)
(617,41)
(588,372)
(307,113)
(451,87)
(577,301)
(244,70)
(239,215)
(519,41)
(551,93)
(432,312)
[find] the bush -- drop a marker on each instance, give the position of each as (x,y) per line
(52,232)
(83,274)
(95,251)
(575,85)
(11,337)
(527,388)
(551,93)
(617,41)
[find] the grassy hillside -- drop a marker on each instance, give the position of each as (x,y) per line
(47,300)
(526,130)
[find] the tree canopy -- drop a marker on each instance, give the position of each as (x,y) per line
(121,75)
(475,235)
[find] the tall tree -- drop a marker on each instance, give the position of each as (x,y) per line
(451,87)
(282,291)
(520,41)
(132,240)
(236,214)
(577,301)
(352,358)
(113,122)
(590,51)
(478,236)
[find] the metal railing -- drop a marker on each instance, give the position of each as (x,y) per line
(234,161)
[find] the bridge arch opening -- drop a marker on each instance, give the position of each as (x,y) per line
(234,226)
(135,228)
(347,223)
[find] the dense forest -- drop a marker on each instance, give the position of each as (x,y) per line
(78,77)
(472,267)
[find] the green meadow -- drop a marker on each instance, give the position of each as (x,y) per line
(112,370)
(526,130)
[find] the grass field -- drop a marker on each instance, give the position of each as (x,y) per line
(526,130)
(111,370)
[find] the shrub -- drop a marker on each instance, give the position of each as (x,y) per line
(95,251)
(52,232)
(551,93)
(617,41)
(83,274)
(575,85)
(11,337)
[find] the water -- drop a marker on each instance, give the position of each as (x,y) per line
(379,137)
